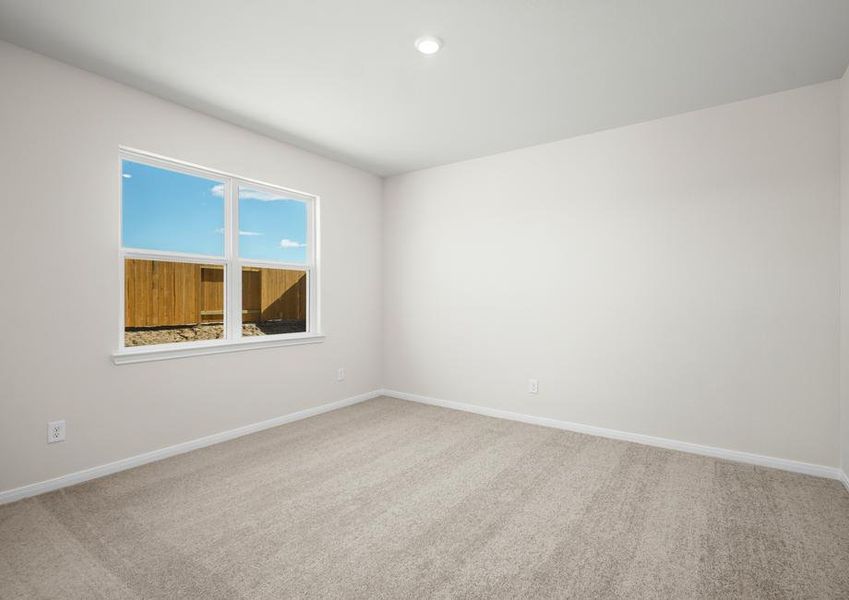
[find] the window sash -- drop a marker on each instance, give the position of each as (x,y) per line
(231,261)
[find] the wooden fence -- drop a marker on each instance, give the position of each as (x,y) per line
(161,293)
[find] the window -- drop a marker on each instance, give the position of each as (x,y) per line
(212,261)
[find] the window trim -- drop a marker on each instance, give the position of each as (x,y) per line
(233,341)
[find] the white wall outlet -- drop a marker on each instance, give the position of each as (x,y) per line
(533,386)
(55,432)
(340,374)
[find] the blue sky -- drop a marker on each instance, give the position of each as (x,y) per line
(170,211)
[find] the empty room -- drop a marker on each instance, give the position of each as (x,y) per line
(413,299)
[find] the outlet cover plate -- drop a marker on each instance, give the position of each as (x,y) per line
(55,432)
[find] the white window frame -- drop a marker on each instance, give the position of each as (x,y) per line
(233,340)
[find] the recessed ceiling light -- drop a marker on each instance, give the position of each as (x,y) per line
(428,44)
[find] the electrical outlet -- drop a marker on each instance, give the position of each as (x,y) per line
(533,386)
(55,432)
(340,374)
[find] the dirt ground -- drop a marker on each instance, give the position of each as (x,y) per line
(145,336)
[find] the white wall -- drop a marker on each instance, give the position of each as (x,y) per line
(844,275)
(677,278)
(59,134)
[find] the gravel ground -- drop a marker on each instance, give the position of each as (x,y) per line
(145,336)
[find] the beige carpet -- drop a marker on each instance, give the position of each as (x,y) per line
(389,499)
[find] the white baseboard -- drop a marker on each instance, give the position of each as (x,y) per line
(155,455)
(844,478)
(216,438)
(648,440)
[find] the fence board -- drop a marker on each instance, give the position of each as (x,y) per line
(283,294)
(160,293)
(251,294)
(211,298)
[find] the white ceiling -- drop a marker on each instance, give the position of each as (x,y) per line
(341,77)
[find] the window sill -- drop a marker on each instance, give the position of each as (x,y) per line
(184,350)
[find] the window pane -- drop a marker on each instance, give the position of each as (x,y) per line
(171,211)
(272,226)
(273,301)
(167,302)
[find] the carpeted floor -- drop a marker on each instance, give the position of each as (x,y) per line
(389,499)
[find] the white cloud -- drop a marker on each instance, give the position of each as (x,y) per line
(221,230)
(126,176)
(249,194)
(291,244)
